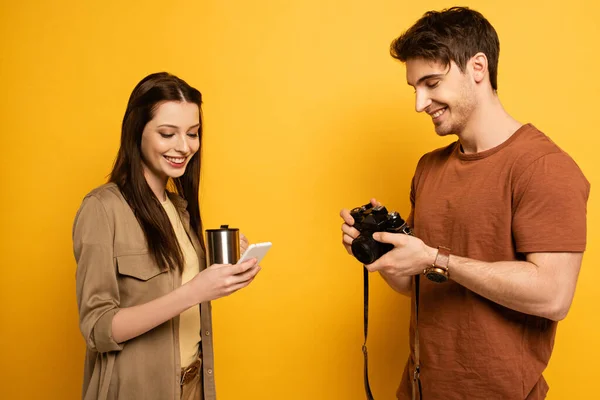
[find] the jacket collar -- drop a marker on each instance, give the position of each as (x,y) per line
(178,201)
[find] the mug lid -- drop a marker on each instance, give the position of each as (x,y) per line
(222,228)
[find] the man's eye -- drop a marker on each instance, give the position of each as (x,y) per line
(166,135)
(431,85)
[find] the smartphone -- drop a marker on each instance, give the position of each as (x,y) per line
(255,250)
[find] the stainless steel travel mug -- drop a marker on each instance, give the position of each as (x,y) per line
(223,245)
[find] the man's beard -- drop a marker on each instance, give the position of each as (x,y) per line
(458,115)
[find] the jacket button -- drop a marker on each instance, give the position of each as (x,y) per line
(207,333)
(209,371)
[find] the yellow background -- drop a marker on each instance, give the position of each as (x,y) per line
(305,113)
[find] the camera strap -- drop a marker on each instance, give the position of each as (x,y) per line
(366,326)
(416,380)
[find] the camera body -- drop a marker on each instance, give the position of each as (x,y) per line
(368,220)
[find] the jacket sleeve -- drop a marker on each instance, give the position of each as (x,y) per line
(96,277)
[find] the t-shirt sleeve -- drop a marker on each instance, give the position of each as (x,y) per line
(549,206)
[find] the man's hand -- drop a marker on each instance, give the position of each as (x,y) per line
(410,256)
(348,232)
(397,279)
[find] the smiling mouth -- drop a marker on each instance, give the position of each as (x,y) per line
(438,113)
(175,160)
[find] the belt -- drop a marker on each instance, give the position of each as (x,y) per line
(191,371)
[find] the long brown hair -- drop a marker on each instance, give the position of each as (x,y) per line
(128,172)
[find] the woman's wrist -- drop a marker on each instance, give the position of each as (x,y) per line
(188,296)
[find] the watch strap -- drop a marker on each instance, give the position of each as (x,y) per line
(442,258)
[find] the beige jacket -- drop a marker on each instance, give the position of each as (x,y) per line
(114,270)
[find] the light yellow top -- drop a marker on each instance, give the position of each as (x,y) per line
(189,320)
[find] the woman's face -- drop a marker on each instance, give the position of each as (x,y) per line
(169,141)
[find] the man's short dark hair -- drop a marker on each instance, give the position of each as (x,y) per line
(453,34)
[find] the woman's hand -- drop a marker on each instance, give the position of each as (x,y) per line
(220,280)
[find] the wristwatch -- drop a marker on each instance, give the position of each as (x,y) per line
(438,272)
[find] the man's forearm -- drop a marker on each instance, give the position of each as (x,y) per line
(543,285)
(519,285)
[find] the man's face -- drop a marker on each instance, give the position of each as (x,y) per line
(444,93)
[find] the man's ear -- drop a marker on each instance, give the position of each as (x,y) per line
(479,67)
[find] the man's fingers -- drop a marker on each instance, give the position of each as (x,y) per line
(380,263)
(375,203)
(347,240)
(376,266)
(397,239)
(345,214)
(350,231)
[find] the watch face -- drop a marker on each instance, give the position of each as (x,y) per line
(435,276)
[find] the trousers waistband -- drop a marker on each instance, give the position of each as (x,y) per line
(191,371)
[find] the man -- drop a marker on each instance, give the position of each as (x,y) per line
(499,218)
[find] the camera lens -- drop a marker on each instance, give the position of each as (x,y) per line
(365,249)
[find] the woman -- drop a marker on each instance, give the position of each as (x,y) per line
(140,257)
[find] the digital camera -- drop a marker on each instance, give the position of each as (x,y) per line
(368,220)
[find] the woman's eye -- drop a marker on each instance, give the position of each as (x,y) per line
(193,134)
(166,135)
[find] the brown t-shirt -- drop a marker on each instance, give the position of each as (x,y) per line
(525,195)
